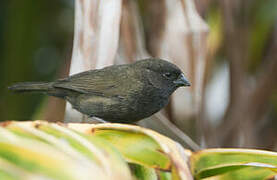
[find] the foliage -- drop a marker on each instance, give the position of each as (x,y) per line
(35,150)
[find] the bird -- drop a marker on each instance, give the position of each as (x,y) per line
(123,93)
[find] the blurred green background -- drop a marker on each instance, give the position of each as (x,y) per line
(35,42)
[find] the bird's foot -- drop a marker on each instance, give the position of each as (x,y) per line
(98,119)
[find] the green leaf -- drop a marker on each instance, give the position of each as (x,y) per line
(142,172)
(213,162)
(136,148)
(85,151)
(142,147)
(58,152)
(7,176)
(33,161)
(248,173)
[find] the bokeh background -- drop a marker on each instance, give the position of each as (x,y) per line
(36,42)
(239,95)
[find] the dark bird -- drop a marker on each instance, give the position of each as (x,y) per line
(119,93)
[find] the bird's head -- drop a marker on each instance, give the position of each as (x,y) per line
(162,74)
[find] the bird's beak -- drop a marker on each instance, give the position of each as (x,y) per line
(182,81)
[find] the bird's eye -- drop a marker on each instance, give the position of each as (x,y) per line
(167,75)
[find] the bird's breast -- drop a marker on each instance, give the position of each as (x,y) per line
(149,101)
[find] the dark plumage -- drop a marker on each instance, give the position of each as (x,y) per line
(119,93)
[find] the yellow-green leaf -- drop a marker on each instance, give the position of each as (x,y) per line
(142,146)
(213,162)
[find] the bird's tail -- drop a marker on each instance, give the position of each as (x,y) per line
(31,87)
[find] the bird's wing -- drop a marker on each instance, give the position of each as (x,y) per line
(104,82)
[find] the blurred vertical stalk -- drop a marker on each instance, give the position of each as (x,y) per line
(180,36)
(249,94)
(96,35)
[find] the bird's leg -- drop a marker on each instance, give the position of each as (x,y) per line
(98,119)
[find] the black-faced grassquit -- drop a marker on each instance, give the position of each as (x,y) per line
(119,93)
